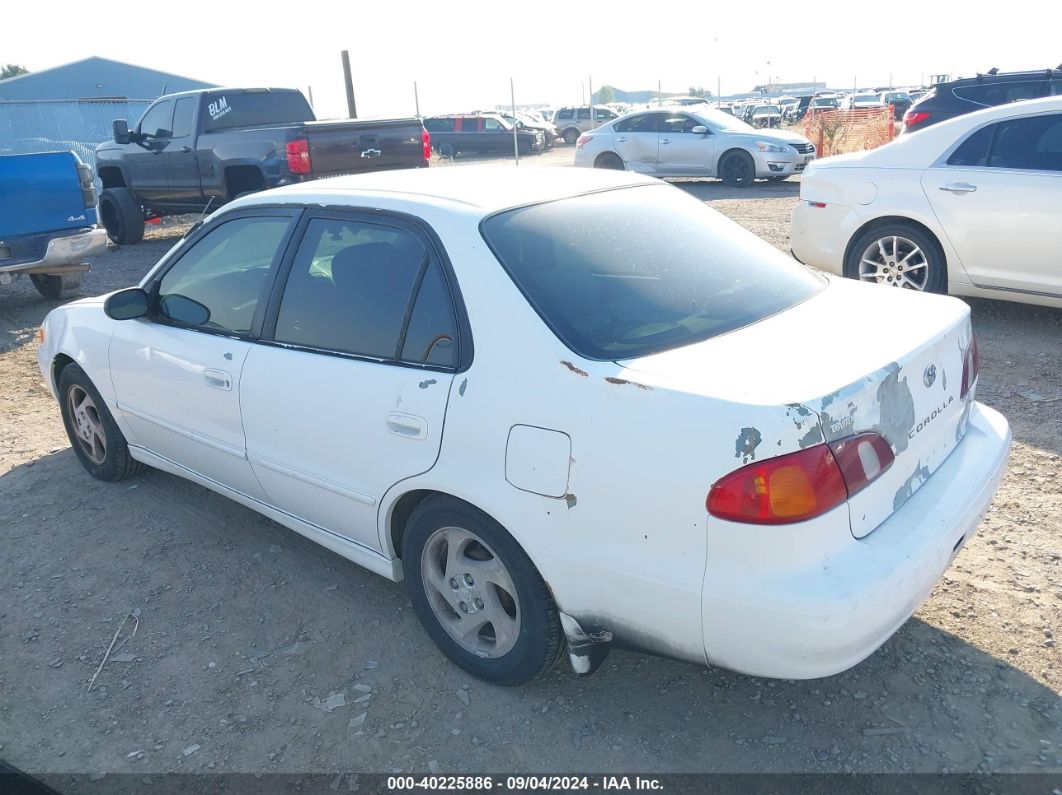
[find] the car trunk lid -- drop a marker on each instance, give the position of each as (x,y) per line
(859,358)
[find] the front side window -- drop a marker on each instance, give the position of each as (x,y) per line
(217,283)
(492,125)
(679,123)
(352,285)
(635,271)
(157,120)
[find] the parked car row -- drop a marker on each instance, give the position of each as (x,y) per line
(482,133)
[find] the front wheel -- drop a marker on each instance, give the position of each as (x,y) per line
(898,255)
(94,435)
(477,594)
(737,169)
(56,286)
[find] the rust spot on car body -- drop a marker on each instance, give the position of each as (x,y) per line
(622,381)
(574,369)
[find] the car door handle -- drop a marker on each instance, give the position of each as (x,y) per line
(186,149)
(959,187)
(621,139)
(665,140)
(408,425)
(218,379)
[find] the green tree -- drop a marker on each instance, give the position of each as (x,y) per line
(700,91)
(12,70)
(606,94)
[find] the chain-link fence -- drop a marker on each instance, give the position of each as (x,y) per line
(50,125)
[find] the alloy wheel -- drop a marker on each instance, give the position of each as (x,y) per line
(895,261)
(88,427)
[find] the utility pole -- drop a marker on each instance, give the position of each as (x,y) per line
(590,82)
(516,142)
(416,98)
(659,95)
(718,89)
(352,109)
(309,90)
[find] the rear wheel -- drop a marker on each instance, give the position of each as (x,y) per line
(571,135)
(898,255)
(609,160)
(737,169)
(122,216)
(448,150)
(477,593)
(94,435)
(56,286)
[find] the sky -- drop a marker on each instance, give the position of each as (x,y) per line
(463,54)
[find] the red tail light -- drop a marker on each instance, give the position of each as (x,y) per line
(913,118)
(299,156)
(425,140)
(970,364)
(802,485)
(583,139)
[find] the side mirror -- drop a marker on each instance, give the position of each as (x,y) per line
(121,131)
(700,129)
(126,304)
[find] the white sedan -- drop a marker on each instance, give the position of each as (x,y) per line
(694,142)
(570,408)
(970,206)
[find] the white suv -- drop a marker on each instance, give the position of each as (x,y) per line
(570,122)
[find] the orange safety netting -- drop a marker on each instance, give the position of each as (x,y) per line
(837,131)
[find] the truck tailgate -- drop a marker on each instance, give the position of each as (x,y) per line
(349,147)
(41,193)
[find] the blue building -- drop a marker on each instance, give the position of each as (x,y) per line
(95,78)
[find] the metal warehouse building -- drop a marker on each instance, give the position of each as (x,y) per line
(72,106)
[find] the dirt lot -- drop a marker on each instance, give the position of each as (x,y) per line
(245,628)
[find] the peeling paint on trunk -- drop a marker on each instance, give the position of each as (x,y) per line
(747,442)
(897,408)
(574,369)
(461,389)
(622,381)
(426,384)
(917,478)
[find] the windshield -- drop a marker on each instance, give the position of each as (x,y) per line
(722,122)
(864,98)
(825,102)
(766,109)
(899,95)
(630,272)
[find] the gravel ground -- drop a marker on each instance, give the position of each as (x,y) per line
(247,635)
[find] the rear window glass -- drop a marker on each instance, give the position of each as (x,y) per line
(627,273)
(257,109)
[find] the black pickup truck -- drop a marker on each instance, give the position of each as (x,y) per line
(199,149)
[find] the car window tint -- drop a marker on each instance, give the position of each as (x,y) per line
(1033,143)
(645,123)
(1000,93)
(678,123)
(584,114)
(974,150)
(439,125)
(157,120)
(226,111)
(1056,87)
(492,125)
(431,336)
(225,272)
(625,273)
(470,125)
(349,288)
(564,114)
(182,116)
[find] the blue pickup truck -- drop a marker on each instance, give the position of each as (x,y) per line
(48,223)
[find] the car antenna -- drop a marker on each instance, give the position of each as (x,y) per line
(199,221)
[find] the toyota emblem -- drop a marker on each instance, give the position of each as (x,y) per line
(930,375)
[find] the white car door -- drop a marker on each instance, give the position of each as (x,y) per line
(636,139)
(999,199)
(682,152)
(177,372)
(347,392)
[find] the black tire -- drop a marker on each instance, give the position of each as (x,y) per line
(936,279)
(778,179)
(737,169)
(448,150)
(539,641)
(122,216)
(116,463)
(523,147)
(56,286)
(610,160)
(571,136)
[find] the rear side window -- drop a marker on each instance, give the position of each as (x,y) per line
(352,286)
(973,152)
(1000,93)
(470,125)
(1033,143)
(255,109)
(439,125)
(630,272)
(217,282)
(564,114)
(182,116)
(646,123)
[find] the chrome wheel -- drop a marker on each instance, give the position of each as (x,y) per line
(895,261)
(470,592)
(88,427)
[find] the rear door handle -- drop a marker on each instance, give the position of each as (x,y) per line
(959,187)
(409,425)
(218,379)
(186,149)
(665,140)
(621,139)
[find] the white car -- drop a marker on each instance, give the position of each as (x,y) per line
(970,206)
(685,142)
(569,407)
(861,102)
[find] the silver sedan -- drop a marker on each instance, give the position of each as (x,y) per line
(694,143)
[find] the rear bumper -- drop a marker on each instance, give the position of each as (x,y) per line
(802,617)
(64,252)
(819,235)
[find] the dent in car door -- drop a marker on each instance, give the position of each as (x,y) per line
(999,197)
(636,141)
(177,375)
(350,398)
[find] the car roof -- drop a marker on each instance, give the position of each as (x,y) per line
(483,189)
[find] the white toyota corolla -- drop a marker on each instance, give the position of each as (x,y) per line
(970,206)
(571,408)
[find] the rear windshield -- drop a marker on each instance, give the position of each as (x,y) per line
(630,272)
(225,111)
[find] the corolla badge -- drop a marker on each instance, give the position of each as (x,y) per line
(929,375)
